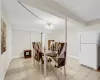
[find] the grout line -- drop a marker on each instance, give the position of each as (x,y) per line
(87,74)
(55,70)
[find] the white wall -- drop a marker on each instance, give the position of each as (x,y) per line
(22,40)
(35,37)
(73,38)
(6,57)
(73,44)
(57,36)
(73,41)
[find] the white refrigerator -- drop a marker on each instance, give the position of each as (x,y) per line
(89,43)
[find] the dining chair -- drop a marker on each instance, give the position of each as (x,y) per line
(38,57)
(52,46)
(60,59)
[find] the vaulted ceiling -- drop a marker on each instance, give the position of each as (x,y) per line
(20,18)
(85,12)
(55,11)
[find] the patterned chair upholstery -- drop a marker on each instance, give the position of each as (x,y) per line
(61,55)
(35,47)
(33,44)
(54,46)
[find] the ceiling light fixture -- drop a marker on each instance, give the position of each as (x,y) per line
(48,25)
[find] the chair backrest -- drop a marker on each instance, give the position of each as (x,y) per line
(62,55)
(33,44)
(37,46)
(59,49)
(36,52)
(52,46)
(55,46)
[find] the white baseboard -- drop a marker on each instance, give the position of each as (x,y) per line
(74,57)
(3,75)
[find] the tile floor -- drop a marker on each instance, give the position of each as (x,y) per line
(23,69)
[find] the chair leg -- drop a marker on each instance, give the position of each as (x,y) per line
(40,66)
(57,73)
(49,66)
(33,61)
(36,65)
(65,70)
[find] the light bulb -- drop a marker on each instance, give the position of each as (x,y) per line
(49,26)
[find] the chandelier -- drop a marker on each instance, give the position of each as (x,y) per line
(49,26)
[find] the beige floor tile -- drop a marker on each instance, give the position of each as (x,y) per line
(76,78)
(22,75)
(70,71)
(84,70)
(93,76)
(12,72)
(12,77)
(23,69)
